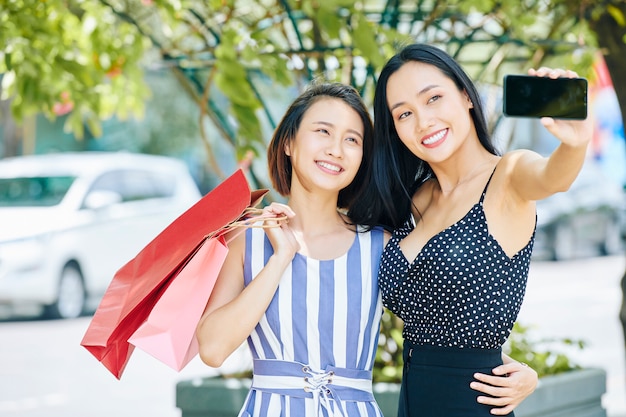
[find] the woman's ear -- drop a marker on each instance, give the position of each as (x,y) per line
(287,149)
(469,100)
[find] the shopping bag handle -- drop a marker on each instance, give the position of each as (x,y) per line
(251,217)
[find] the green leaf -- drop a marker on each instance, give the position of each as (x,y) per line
(7,62)
(249,125)
(617,14)
(276,68)
(236,88)
(74,124)
(94,125)
(365,40)
(329,22)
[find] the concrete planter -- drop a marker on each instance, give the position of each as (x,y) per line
(387,396)
(211,397)
(223,397)
(571,394)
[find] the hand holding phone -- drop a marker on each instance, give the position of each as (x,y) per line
(531,96)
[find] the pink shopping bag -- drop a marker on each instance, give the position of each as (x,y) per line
(168,334)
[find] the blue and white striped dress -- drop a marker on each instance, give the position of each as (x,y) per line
(314,347)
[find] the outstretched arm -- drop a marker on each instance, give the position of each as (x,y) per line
(509,385)
(534,177)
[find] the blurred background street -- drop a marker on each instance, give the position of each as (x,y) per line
(44,372)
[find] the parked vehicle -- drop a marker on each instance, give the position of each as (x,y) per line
(587,220)
(69,221)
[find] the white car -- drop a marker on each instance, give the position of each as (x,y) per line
(69,221)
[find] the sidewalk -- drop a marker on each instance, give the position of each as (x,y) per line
(581,300)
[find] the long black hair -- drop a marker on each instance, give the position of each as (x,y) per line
(396,172)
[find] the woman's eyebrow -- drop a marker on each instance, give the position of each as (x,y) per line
(419,93)
(356,132)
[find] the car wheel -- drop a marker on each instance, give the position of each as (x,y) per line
(564,241)
(70,301)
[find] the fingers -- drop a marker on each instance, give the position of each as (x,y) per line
(507,388)
(570,132)
(502,411)
(495,386)
(518,379)
(506,369)
(498,402)
(496,381)
(547,122)
(552,72)
(275,218)
(274,214)
(498,397)
(279,209)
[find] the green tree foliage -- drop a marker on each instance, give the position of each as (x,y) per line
(87,56)
(74,57)
(223,50)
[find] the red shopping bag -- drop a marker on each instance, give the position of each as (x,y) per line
(168,333)
(139,284)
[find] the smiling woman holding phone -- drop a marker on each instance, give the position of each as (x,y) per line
(463,219)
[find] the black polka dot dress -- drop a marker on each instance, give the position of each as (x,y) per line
(458,299)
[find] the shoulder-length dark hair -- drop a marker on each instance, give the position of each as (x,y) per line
(280,169)
(396,171)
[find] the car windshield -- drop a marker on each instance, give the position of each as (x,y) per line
(33,191)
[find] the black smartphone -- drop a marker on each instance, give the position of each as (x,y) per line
(560,98)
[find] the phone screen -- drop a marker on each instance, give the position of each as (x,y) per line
(561,98)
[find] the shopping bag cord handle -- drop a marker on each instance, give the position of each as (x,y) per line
(251,217)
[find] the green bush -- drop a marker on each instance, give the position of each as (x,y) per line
(388,363)
(543,355)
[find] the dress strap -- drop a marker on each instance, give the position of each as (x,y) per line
(482,196)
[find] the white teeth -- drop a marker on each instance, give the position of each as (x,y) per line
(434,138)
(329,166)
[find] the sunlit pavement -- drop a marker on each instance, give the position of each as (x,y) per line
(44,372)
(581,300)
